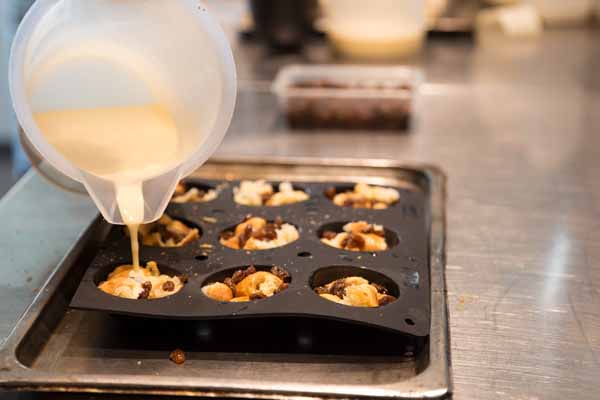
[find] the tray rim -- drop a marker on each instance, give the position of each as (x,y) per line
(433,382)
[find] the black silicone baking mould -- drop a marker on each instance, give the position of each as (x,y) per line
(403,268)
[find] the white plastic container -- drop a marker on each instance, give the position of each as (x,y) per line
(117,53)
(376,29)
(363,97)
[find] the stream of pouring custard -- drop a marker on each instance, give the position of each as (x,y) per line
(125,145)
(135,244)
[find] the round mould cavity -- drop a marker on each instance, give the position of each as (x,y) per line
(203,187)
(102,275)
(104,271)
(326,275)
(186,222)
(222,275)
(391,238)
(275,185)
(231,230)
(332,191)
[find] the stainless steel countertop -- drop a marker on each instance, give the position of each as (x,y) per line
(513,125)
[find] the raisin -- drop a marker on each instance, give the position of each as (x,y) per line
(278,222)
(259,234)
(265,197)
(362,203)
(281,288)
(330,235)
(257,296)
(322,290)
(201,193)
(177,356)
(237,276)
(270,232)
(380,289)
(147,287)
(367,229)
(348,203)
(330,193)
(345,241)
(386,299)
(281,273)
(227,235)
(168,286)
(338,288)
(231,285)
(245,236)
(355,242)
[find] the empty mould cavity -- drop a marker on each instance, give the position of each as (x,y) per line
(169,232)
(193,192)
(362,195)
(262,193)
(357,236)
(147,282)
(246,283)
(256,233)
(354,286)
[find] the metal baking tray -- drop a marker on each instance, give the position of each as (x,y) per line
(54,348)
(403,269)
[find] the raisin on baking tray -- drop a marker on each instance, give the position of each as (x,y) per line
(227,235)
(270,231)
(281,288)
(168,286)
(380,289)
(322,290)
(386,299)
(280,273)
(147,287)
(354,241)
(257,296)
(245,236)
(177,356)
(278,222)
(240,274)
(330,235)
(230,285)
(330,193)
(348,203)
(338,288)
(376,231)
(265,197)
(237,277)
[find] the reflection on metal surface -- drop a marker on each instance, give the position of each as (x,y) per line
(557,263)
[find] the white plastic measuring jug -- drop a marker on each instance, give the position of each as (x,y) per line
(102,69)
